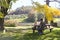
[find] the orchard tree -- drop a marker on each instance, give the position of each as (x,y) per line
(4,6)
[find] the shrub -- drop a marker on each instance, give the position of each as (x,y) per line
(39,16)
(9,23)
(31,18)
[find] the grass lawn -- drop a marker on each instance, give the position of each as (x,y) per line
(56,19)
(28,35)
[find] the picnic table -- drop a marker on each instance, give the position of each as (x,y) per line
(48,26)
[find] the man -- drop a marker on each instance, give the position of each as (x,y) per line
(41,26)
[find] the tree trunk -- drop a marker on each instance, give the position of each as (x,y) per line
(1,24)
(47,2)
(46,21)
(4,11)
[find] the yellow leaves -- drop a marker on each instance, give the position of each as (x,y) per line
(49,16)
(38,7)
(48,11)
(56,12)
(4,3)
(1,15)
(46,7)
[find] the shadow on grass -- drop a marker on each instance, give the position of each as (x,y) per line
(54,35)
(29,36)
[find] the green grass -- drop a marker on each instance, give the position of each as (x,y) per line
(56,19)
(28,35)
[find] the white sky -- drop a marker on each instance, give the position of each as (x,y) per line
(20,3)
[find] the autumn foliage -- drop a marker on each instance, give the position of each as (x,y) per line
(49,12)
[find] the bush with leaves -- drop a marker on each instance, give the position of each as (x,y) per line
(40,16)
(31,18)
(9,23)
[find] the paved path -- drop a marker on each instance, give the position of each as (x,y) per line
(19,27)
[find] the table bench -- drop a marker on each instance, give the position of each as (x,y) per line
(35,28)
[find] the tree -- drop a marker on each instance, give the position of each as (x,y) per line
(45,9)
(4,6)
(55,11)
(39,16)
(38,8)
(31,17)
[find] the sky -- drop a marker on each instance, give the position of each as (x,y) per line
(21,3)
